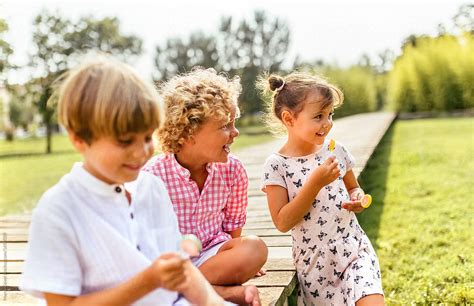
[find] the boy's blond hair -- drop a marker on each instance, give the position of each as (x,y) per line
(191,99)
(105,97)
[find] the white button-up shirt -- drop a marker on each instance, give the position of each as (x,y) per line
(85,236)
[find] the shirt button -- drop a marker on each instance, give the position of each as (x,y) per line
(138,247)
(131,215)
(118,189)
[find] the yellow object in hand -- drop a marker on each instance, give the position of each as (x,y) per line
(332,145)
(366,200)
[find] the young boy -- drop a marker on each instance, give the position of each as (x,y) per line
(208,185)
(106,233)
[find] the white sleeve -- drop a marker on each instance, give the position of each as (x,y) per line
(273,173)
(52,263)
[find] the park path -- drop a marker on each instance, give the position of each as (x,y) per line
(359,133)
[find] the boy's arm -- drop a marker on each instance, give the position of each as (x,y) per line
(199,291)
(166,272)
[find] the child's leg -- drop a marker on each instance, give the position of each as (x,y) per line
(373,299)
(237,261)
(242,295)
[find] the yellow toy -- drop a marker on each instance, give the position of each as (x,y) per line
(366,201)
(332,145)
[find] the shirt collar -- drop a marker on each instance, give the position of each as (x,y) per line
(93,184)
(183,172)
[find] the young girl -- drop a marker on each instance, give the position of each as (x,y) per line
(208,185)
(315,193)
(106,234)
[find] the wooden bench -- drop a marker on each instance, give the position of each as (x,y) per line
(360,133)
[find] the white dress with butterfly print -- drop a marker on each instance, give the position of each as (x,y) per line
(335,262)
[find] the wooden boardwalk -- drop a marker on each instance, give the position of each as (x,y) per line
(359,133)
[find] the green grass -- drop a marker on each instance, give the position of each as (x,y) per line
(25,172)
(421,178)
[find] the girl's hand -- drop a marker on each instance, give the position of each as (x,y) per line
(169,272)
(355,194)
(327,172)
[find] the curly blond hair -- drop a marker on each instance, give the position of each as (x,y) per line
(287,93)
(191,99)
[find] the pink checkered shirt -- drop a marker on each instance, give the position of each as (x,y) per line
(217,210)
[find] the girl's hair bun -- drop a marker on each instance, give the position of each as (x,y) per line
(275,82)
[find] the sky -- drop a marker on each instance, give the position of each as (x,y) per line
(337,31)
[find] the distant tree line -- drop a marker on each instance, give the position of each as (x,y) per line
(430,73)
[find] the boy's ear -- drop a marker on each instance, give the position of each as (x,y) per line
(287,118)
(78,143)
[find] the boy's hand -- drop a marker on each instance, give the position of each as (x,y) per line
(169,272)
(328,171)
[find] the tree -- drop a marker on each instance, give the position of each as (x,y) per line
(5,50)
(464,19)
(59,43)
(245,48)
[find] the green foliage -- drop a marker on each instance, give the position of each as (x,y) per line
(5,49)
(433,74)
(246,48)
(421,178)
(59,42)
(358,85)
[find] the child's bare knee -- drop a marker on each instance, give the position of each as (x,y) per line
(257,249)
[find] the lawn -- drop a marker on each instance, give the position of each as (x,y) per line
(421,177)
(25,172)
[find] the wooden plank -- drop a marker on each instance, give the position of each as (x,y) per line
(9,282)
(13,298)
(264,232)
(279,264)
(11,266)
(271,295)
(277,241)
(273,278)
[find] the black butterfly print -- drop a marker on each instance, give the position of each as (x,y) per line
(307,216)
(304,230)
(344,149)
(321,236)
(333,250)
(378,274)
(267,175)
(325,208)
(367,284)
(302,160)
(321,221)
(275,167)
(319,267)
(340,229)
(321,253)
(349,290)
(298,183)
(357,278)
(285,165)
(306,261)
(351,223)
(341,191)
(302,252)
(330,283)
(315,202)
(345,300)
(329,295)
(333,263)
(355,238)
(339,205)
(331,197)
(306,240)
(318,158)
(373,262)
(346,253)
(346,236)
(305,274)
(304,170)
(307,284)
(290,175)
(328,187)
(338,220)
(331,241)
(313,248)
(315,293)
(321,279)
(338,274)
